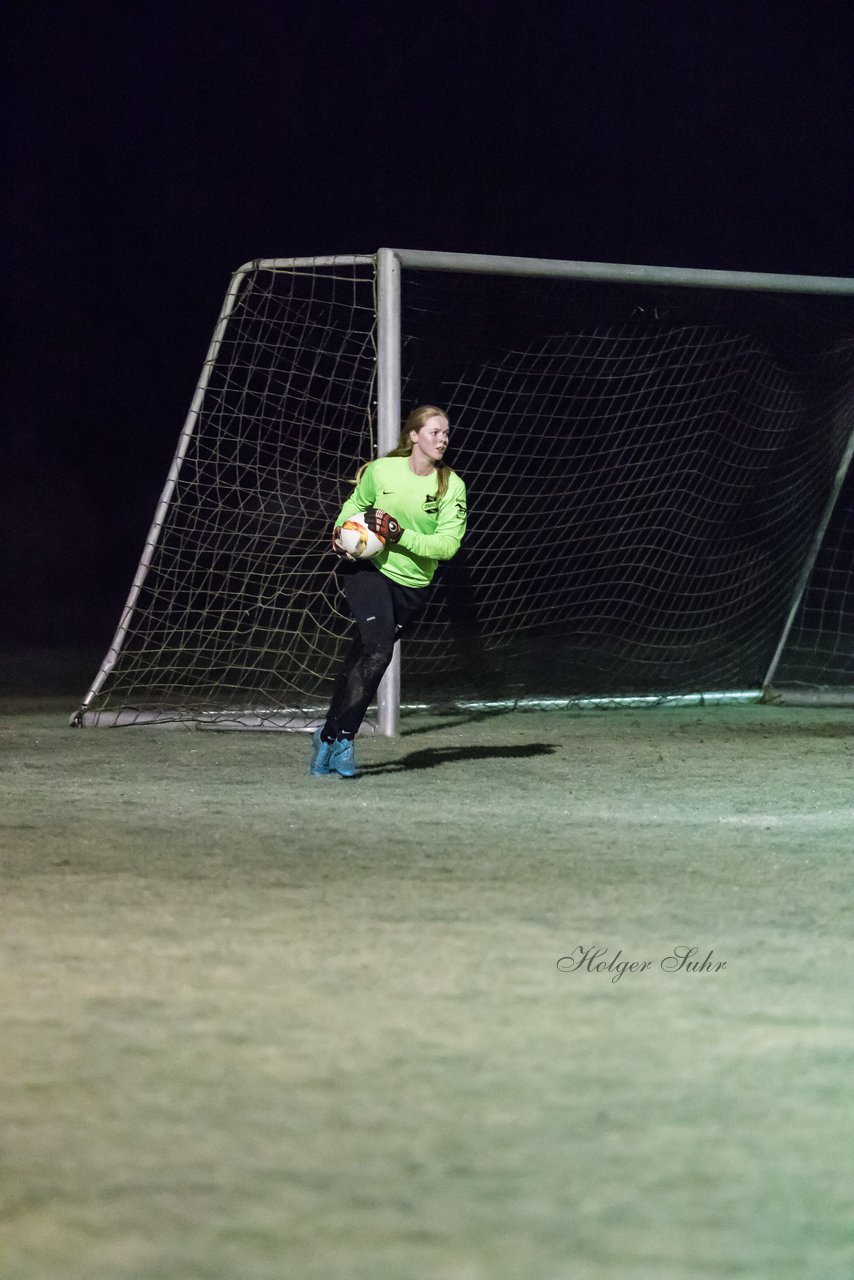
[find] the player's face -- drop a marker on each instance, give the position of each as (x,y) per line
(431,439)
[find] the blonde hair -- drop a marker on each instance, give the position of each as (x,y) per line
(414,422)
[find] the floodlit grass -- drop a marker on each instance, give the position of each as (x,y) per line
(257,1025)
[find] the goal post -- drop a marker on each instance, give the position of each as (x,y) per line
(659,466)
(166,496)
(819,542)
(388,433)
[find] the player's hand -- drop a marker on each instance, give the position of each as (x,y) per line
(382,524)
(336,545)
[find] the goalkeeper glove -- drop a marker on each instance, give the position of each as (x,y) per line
(382,524)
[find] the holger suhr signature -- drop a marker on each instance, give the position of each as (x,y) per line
(682,959)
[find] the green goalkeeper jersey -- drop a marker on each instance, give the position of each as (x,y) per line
(433,527)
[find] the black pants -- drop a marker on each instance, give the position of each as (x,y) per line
(382,610)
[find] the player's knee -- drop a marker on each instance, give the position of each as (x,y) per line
(377,658)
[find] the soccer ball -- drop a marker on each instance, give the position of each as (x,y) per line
(356,539)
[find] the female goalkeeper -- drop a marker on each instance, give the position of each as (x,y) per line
(416,503)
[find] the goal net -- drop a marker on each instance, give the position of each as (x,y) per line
(656,474)
(817,661)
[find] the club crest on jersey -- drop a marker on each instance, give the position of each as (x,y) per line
(431,505)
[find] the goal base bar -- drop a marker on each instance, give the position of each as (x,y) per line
(281,720)
(277,720)
(595,703)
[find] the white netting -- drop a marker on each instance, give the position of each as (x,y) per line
(647,469)
(238,612)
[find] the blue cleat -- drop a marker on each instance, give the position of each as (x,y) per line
(343,759)
(321,756)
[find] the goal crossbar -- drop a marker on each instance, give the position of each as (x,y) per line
(558,269)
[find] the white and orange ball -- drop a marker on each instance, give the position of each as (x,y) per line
(357,540)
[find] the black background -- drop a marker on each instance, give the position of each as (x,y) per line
(156,147)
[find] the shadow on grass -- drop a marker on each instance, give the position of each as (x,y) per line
(431,757)
(453,720)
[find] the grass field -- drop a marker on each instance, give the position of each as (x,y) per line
(257,1025)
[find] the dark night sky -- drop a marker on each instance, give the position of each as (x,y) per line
(159,145)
